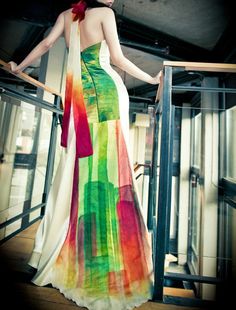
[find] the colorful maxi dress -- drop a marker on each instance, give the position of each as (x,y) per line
(92,243)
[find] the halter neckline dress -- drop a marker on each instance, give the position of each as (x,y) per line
(92,243)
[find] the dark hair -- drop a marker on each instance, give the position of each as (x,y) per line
(94,4)
(80,7)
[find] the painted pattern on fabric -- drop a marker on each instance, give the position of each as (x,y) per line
(104,261)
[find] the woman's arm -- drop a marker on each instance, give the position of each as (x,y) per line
(42,47)
(117,56)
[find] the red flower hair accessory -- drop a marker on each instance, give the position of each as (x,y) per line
(79,10)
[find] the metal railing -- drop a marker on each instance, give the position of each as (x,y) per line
(57,110)
(159,213)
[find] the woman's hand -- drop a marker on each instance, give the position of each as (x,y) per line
(13,67)
(158,78)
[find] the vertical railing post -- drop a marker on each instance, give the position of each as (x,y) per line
(153,174)
(170,173)
(51,154)
(164,192)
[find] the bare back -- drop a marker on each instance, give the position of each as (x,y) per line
(99,24)
(91,31)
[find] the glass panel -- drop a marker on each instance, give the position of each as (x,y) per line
(24,143)
(177,135)
(42,156)
(227,249)
(148,157)
(195,229)
(205,223)
(231,143)
(195,201)
(197,141)
(227,241)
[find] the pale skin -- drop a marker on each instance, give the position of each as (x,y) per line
(99,24)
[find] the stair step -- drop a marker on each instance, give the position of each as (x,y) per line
(180,292)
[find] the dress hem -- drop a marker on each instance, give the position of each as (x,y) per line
(103,302)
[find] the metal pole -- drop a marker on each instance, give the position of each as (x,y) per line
(170,172)
(164,186)
(51,154)
(153,175)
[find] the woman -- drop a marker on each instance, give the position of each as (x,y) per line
(92,243)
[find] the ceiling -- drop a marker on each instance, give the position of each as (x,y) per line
(150,31)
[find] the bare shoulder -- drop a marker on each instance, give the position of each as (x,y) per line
(67,13)
(107,11)
(63,15)
(102,11)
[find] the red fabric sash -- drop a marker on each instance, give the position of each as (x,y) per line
(74,98)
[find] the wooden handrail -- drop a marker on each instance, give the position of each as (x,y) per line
(202,66)
(195,66)
(159,89)
(25,77)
